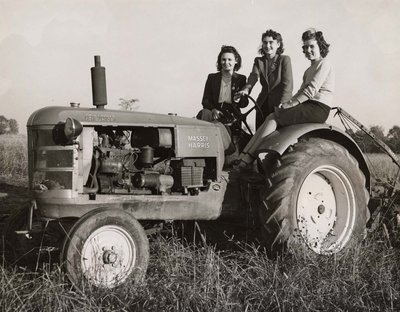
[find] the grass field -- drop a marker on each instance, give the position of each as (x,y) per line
(13,156)
(184,277)
(382,167)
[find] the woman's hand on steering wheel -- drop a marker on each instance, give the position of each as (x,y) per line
(216,114)
(238,95)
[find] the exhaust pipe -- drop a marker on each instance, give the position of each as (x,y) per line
(99,90)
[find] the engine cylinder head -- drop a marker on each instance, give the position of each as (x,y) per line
(110,166)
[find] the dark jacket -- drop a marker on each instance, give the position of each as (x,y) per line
(212,88)
(277,85)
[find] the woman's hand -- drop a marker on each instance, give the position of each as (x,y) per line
(288,104)
(238,95)
(216,114)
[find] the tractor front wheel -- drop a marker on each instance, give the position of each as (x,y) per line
(105,248)
(316,197)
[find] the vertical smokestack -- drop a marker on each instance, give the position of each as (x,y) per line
(99,90)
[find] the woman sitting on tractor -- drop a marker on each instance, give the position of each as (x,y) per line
(221,87)
(218,99)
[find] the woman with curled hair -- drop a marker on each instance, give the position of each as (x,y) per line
(310,104)
(274,70)
(221,86)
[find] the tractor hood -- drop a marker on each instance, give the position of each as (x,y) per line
(52,115)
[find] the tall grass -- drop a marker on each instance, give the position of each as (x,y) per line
(13,156)
(182,277)
(382,167)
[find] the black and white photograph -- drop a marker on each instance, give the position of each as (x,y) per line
(216,155)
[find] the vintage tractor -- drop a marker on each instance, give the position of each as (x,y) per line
(101,180)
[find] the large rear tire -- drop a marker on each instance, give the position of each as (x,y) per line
(105,248)
(315,196)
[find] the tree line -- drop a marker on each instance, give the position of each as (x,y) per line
(8,126)
(368,145)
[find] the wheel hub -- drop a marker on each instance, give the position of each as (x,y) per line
(109,257)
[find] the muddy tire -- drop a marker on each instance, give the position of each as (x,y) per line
(105,249)
(315,197)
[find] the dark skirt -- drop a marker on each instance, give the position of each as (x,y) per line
(306,112)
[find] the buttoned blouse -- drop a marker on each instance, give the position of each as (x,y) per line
(225,91)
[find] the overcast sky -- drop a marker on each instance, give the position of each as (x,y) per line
(162,51)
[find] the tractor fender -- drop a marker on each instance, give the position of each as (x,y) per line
(281,139)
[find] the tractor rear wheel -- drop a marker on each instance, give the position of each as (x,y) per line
(105,248)
(316,197)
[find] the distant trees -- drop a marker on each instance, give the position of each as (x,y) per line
(367,144)
(8,126)
(393,138)
(128,104)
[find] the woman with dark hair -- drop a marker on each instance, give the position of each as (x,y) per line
(274,71)
(310,104)
(221,86)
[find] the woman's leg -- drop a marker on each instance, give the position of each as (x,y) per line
(267,127)
(205,114)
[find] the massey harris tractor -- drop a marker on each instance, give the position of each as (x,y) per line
(101,180)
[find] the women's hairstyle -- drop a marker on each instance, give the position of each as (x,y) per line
(229,49)
(276,36)
(319,37)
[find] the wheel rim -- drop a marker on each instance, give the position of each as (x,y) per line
(108,256)
(326,210)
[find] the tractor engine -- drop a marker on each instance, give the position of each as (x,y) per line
(141,161)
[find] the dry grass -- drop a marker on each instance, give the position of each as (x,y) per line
(382,167)
(183,277)
(13,156)
(187,278)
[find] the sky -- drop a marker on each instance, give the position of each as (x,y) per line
(161,52)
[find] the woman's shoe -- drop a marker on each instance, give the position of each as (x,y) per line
(241,165)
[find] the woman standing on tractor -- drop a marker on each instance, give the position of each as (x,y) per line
(274,71)
(309,104)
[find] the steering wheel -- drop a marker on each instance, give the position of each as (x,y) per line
(232,114)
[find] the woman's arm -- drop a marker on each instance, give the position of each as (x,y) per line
(286,79)
(207,101)
(253,77)
(244,101)
(312,82)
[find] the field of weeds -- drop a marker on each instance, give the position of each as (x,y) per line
(187,277)
(13,156)
(382,167)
